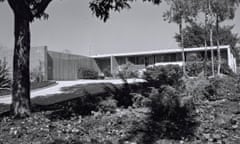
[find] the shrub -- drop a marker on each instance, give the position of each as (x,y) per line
(197,88)
(88,74)
(223,87)
(108,105)
(196,67)
(140,101)
(123,96)
(164,75)
(4,75)
(164,102)
(84,105)
(127,71)
(107,72)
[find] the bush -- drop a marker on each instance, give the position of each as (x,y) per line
(84,105)
(108,105)
(195,68)
(164,75)
(88,74)
(222,87)
(165,102)
(107,72)
(123,96)
(197,88)
(128,71)
(140,101)
(4,76)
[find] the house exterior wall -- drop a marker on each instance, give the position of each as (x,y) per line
(141,60)
(63,66)
(38,60)
(49,65)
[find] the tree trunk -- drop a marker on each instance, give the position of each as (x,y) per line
(219,58)
(211,37)
(205,58)
(182,46)
(205,44)
(21,82)
(212,53)
(218,48)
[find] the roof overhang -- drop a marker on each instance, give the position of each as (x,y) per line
(163,51)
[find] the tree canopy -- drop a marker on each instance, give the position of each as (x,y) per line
(181,9)
(102,8)
(25,11)
(194,36)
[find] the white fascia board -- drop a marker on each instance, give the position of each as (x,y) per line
(163,51)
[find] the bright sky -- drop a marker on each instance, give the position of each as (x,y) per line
(71,26)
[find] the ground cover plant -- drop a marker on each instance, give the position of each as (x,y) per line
(195,111)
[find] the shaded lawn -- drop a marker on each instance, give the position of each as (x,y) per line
(74,92)
(4,108)
(71,93)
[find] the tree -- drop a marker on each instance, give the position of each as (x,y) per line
(181,11)
(102,8)
(194,36)
(222,10)
(25,11)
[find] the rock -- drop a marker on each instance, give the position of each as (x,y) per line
(206,136)
(75,130)
(216,136)
(235,126)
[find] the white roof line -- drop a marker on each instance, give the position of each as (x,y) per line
(159,51)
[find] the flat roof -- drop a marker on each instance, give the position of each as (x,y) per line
(162,51)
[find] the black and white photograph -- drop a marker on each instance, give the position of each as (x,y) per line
(119,71)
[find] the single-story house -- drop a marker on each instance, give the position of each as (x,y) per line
(51,65)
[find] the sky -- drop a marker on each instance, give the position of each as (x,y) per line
(72,27)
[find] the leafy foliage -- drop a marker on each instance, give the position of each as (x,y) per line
(87,74)
(29,9)
(194,36)
(140,101)
(108,105)
(167,104)
(223,88)
(195,68)
(197,88)
(102,8)
(128,71)
(224,9)
(181,9)
(164,75)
